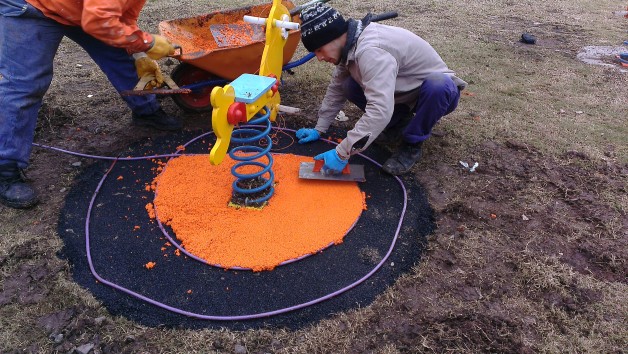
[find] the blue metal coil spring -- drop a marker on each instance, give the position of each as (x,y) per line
(264,178)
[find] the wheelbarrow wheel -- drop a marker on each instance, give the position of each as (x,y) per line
(198,100)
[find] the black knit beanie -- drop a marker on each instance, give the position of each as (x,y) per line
(321,24)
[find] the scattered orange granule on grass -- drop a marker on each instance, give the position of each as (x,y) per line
(181,148)
(302,217)
(150,265)
(120,178)
(136,227)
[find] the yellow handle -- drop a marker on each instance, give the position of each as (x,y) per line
(221,99)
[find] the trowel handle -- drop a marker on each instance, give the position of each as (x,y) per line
(318,165)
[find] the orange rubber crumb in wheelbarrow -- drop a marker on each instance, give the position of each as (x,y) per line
(302,217)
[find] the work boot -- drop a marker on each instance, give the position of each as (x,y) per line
(403,159)
(158,120)
(14,191)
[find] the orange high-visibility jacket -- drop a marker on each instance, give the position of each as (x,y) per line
(111,21)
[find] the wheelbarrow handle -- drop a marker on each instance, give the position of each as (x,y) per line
(384,16)
(177,47)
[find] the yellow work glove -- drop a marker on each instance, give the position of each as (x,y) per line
(160,47)
(146,66)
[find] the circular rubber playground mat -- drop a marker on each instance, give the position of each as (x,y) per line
(179,291)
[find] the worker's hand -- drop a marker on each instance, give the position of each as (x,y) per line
(146,66)
(306,135)
(160,47)
(333,163)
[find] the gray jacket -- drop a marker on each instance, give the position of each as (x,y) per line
(390,64)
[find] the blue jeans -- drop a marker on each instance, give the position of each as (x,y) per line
(438,96)
(28,44)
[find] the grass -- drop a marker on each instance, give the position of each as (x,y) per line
(487,289)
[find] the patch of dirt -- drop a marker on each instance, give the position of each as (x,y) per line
(80,329)
(518,208)
(548,207)
(28,283)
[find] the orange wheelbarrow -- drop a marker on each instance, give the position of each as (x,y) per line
(219,47)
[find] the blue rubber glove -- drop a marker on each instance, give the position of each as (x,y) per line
(333,163)
(306,135)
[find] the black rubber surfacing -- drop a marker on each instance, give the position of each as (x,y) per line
(119,251)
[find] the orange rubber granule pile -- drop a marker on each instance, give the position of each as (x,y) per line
(237,36)
(302,217)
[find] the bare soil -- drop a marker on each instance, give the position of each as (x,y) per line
(529,254)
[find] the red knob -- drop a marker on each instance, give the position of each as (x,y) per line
(236,113)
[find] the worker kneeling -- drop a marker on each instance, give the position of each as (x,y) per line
(394,76)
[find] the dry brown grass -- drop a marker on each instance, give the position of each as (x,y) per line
(487,289)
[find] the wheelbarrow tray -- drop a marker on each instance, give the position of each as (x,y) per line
(199,47)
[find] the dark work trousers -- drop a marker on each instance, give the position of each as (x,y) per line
(438,96)
(28,44)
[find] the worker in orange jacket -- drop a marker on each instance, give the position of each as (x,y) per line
(30,34)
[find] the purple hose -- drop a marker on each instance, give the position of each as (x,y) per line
(209,317)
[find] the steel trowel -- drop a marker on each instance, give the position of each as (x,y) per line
(313,170)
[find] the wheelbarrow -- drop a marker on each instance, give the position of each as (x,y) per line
(207,61)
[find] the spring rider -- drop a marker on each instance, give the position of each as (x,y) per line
(254,100)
